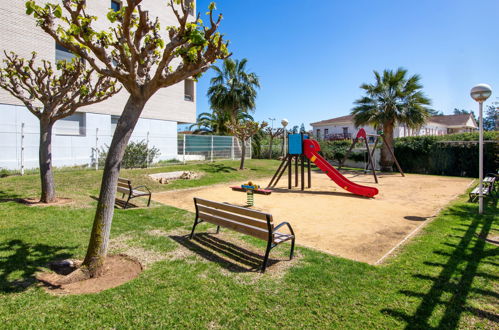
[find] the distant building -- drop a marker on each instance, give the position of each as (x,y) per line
(340,128)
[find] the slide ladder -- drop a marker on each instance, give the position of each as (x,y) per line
(311,149)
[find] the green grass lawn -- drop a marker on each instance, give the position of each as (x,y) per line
(445,277)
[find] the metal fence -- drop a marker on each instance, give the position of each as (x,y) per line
(82,148)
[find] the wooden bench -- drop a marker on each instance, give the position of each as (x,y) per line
(475,193)
(125,187)
(243,220)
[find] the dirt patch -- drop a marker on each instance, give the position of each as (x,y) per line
(146,257)
(118,269)
(331,220)
(36,202)
(167,177)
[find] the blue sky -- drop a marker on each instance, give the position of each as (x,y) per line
(311,56)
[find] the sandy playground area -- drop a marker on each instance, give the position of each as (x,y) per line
(327,218)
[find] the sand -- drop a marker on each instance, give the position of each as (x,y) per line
(327,218)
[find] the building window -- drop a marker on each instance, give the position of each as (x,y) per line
(115,5)
(189,90)
(114,122)
(345,133)
(318,134)
(62,53)
(326,132)
(72,125)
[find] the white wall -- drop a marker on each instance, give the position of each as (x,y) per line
(71,150)
(19,33)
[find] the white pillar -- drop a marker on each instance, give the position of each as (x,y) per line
(480,159)
(232,150)
(183,150)
(147,149)
(22,149)
(250,148)
(97,149)
(211,157)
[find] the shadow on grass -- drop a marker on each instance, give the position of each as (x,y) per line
(218,168)
(19,261)
(9,197)
(228,255)
(456,275)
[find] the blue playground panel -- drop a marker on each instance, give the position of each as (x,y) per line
(295,145)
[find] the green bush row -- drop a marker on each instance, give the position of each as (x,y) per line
(336,150)
(454,154)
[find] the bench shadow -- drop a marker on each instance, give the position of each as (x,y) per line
(229,256)
(26,258)
(452,286)
(119,203)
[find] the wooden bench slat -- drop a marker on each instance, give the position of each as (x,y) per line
(280,237)
(233,216)
(237,226)
(234,209)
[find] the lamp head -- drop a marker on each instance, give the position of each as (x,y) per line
(284,122)
(481,92)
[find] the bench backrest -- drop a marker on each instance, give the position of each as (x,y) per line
(124,184)
(243,220)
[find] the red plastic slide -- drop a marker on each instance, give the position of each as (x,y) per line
(311,149)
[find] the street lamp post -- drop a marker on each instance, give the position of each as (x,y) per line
(284,123)
(480,93)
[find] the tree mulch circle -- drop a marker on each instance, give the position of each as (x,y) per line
(118,270)
(36,202)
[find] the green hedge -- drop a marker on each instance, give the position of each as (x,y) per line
(336,150)
(452,154)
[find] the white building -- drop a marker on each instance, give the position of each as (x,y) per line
(76,137)
(344,128)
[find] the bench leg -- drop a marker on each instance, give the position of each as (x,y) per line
(149,201)
(193,228)
(291,253)
(266,258)
(218,229)
(126,204)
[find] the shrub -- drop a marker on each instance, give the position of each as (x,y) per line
(137,155)
(4,172)
(452,154)
(335,150)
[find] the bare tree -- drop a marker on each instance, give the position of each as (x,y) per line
(244,130)
(134,52)
(273,133)
(52,94)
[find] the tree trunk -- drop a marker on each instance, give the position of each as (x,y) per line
(45,161)
(243,154)
(271,142)
(387,160)
(99,239)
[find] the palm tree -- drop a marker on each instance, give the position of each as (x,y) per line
(392,99)
(215,122)
(233,94)
(233,90)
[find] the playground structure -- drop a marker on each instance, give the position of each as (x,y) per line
(303,150)
(361,134)
(250,189)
